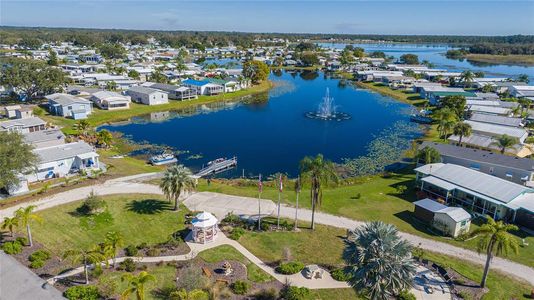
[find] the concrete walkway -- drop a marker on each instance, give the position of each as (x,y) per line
(327,282)
(221,204)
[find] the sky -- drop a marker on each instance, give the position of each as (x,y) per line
(472,17)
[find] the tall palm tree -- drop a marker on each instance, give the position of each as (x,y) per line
(86,257)
(82,127)
(114,240)
(10,224)
(524,103)
(428,155)
(136,284)
(318,171)
(380,262)
(505,141)
(25,216)
(467,78)
(445,127)
(177,179)
(462,129)
(494,239)
(446,118)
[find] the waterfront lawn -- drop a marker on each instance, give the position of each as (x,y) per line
(324,246)
(366,199)
(404,96)
(125,166)
(99,117)
(139,218)
(226,252)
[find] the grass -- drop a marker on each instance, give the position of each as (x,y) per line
(403,96)
(139,218)
(99,117)
(226,252)
(127,165)
(329,294)
(306,246)
(366,199)
(524,60)
(165,276)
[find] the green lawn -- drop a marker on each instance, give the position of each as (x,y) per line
(165,276)
(127,165)
(139,218)
(226,252)
(306,246)
(378,200)
(330,294)
(404,96)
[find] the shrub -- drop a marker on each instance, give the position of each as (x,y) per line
(142,246)
(97,271)
(270,294)
(401,189)
(12,247)
(128,265)
(82,292)
(340,275)
(36,264)
(131,250)
(22,241)
(295,293)
(265,226)
(465,295)
(39,255)
(240,287)
(153,252)
(406,295)
(290,268)
(237,233)
(92,205)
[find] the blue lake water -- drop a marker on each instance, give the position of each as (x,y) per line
(269,133)
(435,55)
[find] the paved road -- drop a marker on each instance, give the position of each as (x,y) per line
(220,205)
(17,282)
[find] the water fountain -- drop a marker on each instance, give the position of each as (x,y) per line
(327,110)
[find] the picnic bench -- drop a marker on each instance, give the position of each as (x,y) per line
(222,280)
(207,272)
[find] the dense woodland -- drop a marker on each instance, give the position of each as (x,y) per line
(34,37)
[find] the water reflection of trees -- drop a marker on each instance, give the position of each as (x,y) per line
(277,73)
(309,75)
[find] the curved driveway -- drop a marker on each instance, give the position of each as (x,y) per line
(221,204)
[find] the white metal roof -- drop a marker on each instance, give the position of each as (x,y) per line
(204,220)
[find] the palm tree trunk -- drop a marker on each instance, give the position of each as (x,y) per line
(86,272)
(296,211)
(489,256)
(176,203)
(29,235)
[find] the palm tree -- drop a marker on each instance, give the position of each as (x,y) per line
(86,257)
(114,240)
(505,141)
(82,127)
(319,171)
(177,179)
(494,239)
(444,127)
(10,224)
(379,261)
(462,129)
(467,78)
(523,78)
(446,118)
(104,137)
(428,155)
(136,284)
(25,216)
(524,103)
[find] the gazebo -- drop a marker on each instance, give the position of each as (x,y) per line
(204,228)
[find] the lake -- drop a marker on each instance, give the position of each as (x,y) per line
(269,133)
(436,55)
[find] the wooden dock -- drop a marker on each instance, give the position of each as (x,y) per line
(217,167)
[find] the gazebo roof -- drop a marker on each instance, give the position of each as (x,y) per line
(204,220)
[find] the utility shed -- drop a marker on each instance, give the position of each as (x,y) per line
(451,221)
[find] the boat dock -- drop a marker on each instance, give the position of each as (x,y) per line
(217,167)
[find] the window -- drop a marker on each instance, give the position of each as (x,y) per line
(69,107)
(463,223)
(509,175)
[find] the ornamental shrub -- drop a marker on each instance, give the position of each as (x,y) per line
(131,250)
(296,293)
(406,295)
(290,268)
(237,233)
(12,247)
(128,265)
(42,254)
(240,287)
(36,264)
(340,275)
(82,292)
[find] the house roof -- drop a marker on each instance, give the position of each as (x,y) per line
(496,129)
(195,82)
(458,214)
(43,135)
(164,87)
(484,156)
(143,90)
(489,109)
(59,152)
(495,119)
(103,95)
(474,182)
(450,93)
(26,122)
(430,205)
(66,99)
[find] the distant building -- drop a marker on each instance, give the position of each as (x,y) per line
(203,87)
(148,96)
(174,92)
(10,112)
(23,125)
(69,106)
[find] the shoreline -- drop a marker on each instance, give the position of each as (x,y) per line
(105,117)
(508,60)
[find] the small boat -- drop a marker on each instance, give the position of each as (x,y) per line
(163,159)
(218,160)
(420,119)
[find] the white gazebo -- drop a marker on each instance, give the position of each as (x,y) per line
(204,228)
